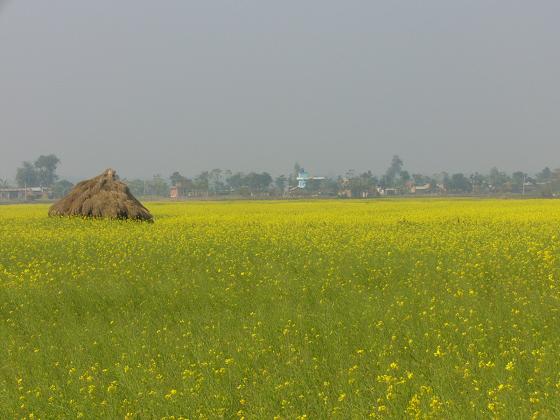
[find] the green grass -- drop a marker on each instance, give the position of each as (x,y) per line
(325,309)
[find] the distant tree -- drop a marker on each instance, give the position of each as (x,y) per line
(216,181)
(265,180)
(225,176)
(40,173)
(517,180)
(498,180)
(404,177)
(549,182)
(324,186)
(555,181)
(292,179)
(280,183)
(4,183)
(61,188)
(201,182)
(183,184)
(158,186)
(459,183)
(383,181)
(313,186)
(393,171)
(46,169)
(443,180)
(545,175)
(365,183)
(418,179)
(258,182)
(478,182)
(350,173)
(176,178)
(329,186)
(235,181)
(137,187)
(421,180)
(27,175)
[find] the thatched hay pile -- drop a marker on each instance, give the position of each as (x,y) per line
(102,196)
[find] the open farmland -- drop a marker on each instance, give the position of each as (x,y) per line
(324,309)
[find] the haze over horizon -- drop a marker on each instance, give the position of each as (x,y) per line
(152,87)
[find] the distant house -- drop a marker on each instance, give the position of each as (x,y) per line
(345,193)
(22,194)
(421,189)
(529,186)
(174,192)
(388,191)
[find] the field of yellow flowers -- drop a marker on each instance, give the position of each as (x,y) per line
(310,310)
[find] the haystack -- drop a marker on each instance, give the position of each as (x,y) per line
(103,196)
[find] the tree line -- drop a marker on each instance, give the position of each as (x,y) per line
(40,173)
(394,180)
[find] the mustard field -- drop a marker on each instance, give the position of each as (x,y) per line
(290,310)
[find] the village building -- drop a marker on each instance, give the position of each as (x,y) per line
(388,191)
(174,192)
(24,194)
(421,189)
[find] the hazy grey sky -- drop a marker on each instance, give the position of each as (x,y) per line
(155,86)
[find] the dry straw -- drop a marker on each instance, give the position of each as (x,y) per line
(104,196)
